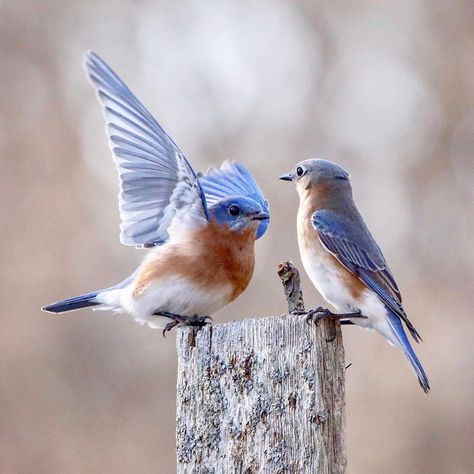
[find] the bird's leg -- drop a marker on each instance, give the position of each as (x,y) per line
(179,320)
(315,315)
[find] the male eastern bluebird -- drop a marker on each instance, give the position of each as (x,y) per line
(201,228)
(343,260)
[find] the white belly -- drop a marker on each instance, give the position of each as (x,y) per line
(317,263)
(173,295)
(327,280)
(330,285)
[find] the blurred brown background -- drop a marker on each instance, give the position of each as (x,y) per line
(383,88)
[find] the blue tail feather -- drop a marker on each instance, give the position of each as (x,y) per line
(86,300)
(397,326)
(71,304)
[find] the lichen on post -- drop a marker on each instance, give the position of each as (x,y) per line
(262,395)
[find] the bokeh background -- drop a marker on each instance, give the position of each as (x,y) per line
(383,88)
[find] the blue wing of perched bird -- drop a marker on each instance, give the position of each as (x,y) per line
(355,248)
(353,245)
(157,184)
(233,179)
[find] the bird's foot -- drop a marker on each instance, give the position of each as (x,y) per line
(298,312)
(315,315)
(199,321)
(169,327)
(179,320)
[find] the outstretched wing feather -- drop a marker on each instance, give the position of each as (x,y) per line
(156,180)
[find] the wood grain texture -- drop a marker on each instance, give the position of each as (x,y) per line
(261,396)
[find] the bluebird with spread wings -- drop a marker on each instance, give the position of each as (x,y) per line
(200,229)
(343,260)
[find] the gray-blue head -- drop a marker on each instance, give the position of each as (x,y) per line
(238,213)
(310,174)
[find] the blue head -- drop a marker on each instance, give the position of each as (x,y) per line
(239,213)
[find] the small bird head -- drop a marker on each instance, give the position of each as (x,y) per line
(309,174)
(238,213)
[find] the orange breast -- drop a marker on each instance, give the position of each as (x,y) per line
(210,257)
(309,243)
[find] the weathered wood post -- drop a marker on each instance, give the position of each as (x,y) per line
(262,395)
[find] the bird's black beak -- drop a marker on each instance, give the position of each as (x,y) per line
(287,177)
(261,216)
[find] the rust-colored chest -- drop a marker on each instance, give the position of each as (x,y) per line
(232,257)
(211,257)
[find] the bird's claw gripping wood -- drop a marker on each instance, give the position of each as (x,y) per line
(315,315)
(298,312)
(178,320)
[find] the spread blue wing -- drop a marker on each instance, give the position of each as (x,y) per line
(353,245)
(233,179)
(158,187)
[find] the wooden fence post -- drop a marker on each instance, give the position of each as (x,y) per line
(262,395)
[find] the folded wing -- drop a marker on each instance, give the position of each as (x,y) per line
(233,179)
(158,187)
(353,245)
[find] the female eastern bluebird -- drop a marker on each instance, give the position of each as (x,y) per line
(343,260)
(201,228)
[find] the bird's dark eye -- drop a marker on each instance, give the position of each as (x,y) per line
(299,171)
(234,210)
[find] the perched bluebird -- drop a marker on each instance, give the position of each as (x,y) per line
(343,260)
(200,229)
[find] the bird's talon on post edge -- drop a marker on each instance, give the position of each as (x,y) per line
(199,321)
(314,315)
(178,320)
(169,327)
